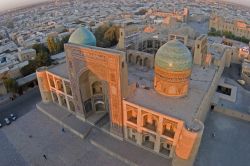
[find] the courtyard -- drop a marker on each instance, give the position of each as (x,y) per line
(230,145)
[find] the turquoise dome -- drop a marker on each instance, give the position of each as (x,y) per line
(173,56)
(82,36)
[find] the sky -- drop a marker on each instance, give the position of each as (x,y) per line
(9,4)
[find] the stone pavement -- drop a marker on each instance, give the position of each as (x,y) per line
(229,147)
(125,151)
(25,141)
(121,150)
(65,118)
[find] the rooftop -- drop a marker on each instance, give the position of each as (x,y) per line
(180,108)
(60,70)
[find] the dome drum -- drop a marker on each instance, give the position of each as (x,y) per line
(173,84)
(173,63)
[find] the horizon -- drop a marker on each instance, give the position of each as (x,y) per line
(8,5)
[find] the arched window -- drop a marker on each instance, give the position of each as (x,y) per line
(146,62)
(138,60)
(97,87)
(130,58)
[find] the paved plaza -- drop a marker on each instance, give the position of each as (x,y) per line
(25,141)
(229,147)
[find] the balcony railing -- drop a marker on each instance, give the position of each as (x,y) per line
(150,126)
(169,133)
(132,119)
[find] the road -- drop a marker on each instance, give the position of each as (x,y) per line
(21,105)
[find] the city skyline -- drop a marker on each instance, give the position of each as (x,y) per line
(11,4)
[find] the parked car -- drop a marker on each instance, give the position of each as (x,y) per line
(12,117)
(7,121)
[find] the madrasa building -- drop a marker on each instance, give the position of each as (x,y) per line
(160,106)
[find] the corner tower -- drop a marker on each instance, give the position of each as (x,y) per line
(173,63)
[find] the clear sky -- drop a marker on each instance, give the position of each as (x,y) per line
(9,4)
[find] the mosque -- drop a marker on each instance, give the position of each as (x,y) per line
(159,103)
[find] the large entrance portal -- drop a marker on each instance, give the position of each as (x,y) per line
(94,96)
(96,76)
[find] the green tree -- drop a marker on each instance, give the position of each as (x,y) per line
(64,40)
(112,35)
(40,48)
(228,35)
(11,85)
(42,59)
(29,69)
(54,45)
(99,33)
(107,35)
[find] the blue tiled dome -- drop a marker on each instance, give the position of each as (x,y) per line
(173,56)
(82,36)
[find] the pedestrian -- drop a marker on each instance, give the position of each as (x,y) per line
(213,135)
(45,157)
(63,130)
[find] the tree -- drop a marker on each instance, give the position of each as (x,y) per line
(99,33)
(29,69)
(112,35)
(107,35)
(40,48)
(11,85)
(228,35)
(64,40)
(42,59)
(53,45)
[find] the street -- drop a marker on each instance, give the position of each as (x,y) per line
(21,105)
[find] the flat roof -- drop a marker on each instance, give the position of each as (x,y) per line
(180,108)
(26,79)
(60,70)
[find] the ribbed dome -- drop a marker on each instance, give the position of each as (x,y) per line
(82,36)
(173,56)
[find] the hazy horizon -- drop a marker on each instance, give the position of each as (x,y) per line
(10,4)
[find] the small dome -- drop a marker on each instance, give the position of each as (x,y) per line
(173,56)
(82,36)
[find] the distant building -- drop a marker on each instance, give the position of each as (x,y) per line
(245,72)
(181,16)
(237,27)
(26,54)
